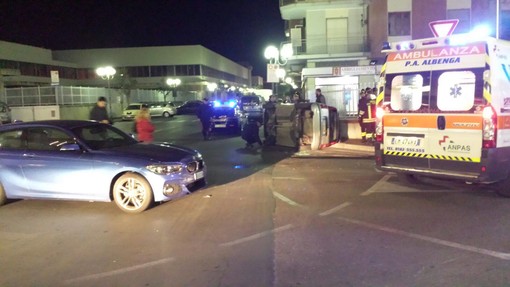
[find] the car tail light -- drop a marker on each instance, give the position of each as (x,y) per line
(490,120)
(379,130)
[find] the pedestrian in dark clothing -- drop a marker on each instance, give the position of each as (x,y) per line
(251,132)
(363,114)
(205,112)
(319,97)
(99,113)
(270,121)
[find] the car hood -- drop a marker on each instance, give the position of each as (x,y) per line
(161,152)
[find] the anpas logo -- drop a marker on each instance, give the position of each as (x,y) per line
(450,146)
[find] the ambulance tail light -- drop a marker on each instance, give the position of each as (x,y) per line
(379,131)
(489,127)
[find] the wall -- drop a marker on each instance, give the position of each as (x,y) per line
(377,27)
(425,12)
(27,114)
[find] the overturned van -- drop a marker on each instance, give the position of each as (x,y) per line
(444,110)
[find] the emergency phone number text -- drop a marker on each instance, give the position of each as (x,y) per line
(405,149)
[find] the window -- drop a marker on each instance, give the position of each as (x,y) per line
(456,91)
(11,140)
(406,92)
(47,139)
(464,17)
(399,23)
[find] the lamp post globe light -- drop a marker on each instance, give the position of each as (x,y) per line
(173,83)
(211,87)
(107,73)
(277,58)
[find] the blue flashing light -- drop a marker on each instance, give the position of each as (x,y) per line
(216,104)
(232,104)
(479,33)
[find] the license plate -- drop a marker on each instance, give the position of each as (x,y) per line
(220,125)
(199,175)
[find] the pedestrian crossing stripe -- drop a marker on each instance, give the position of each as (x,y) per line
(432,156)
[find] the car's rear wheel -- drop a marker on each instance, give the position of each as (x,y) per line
(3,198)
(166,115)
(132,193)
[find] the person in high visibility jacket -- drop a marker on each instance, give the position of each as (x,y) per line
(366,113)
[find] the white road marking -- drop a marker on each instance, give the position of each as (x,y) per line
(376,185)
(500,255)
(119,271)
(288,178)
(286,199)
(335,209)
(256,236)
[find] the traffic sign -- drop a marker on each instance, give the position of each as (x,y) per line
(443,28)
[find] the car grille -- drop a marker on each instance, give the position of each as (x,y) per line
(195,166)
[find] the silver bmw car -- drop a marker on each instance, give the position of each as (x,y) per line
(85,160)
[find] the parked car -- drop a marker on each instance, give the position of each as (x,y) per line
(162,109)
(132,110)
(5,113)
(189,107)
(86,160)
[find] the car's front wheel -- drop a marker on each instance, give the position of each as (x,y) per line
(166,114)
(132,193)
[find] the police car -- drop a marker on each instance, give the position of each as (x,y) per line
(227,116)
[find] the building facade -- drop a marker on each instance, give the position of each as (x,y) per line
(337,43)
(136,68)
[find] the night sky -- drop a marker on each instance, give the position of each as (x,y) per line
(236,29)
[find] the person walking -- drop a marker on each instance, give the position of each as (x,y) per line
(319,97)
(99,113)
(205,112)
(144,126)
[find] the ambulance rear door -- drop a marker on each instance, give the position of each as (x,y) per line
(433,122)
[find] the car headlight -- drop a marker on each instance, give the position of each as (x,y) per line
(164,168)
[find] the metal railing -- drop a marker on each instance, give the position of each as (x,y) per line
(71,95)
(289,2)
(337,45)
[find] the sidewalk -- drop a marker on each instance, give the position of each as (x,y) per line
(352,148)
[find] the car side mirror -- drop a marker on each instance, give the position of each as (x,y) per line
(70,147)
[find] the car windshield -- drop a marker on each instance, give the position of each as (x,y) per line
(135,107)
(101,136)
(250,100)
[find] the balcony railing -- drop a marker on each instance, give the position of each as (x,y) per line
(288,2)
(337,45)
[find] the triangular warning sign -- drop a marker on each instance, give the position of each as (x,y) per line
(443,28)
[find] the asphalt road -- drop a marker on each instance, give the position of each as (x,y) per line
(267,218)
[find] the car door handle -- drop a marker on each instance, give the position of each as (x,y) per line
(441,122)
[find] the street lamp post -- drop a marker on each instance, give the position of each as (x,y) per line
(277,58)
(173,83)
(107,73)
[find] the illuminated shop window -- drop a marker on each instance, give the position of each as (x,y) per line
(456,91)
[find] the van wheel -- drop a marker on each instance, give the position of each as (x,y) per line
(407,178)
(3,198)
(502,188)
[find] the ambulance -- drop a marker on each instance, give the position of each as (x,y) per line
(443,110)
